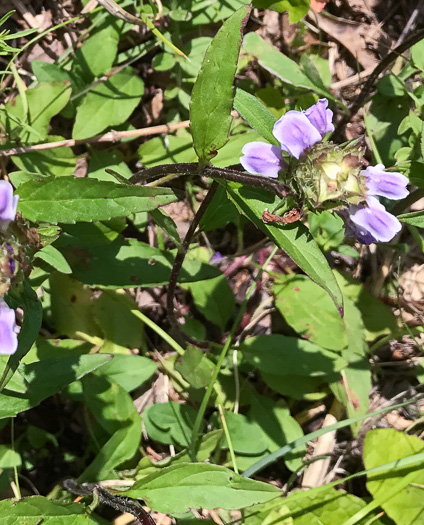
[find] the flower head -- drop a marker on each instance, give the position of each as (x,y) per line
(8,337)
(8,202)
(328,175)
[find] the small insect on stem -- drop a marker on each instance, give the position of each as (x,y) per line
(292,216)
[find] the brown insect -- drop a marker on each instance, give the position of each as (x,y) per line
(292,216)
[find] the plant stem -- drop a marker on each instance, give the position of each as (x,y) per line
(178,262)
(224,351)
(229,442)
(192,168)
(166,337)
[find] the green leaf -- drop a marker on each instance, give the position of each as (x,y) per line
(157,151)
(231,152)
(297,386)
(46,72)
(168,225)
(59,162)
(354,389)
(52,256)
(383,125)
(297,9)
(246,435)
(377,317)
(195,49)
(31,510)
(415,218)
(101,159)
(195,367)
(294,239)
(108,104)
(70,199)
(205,14)
(9,458)
(214,299)
(280,65)
(256,114)
(309,310)
(163,62)
(329,507)
(129,263)
(219,213)
(327,229)
(115,411)
(382,446)
(112,312)
(279,428)
(417,54)
(44,101)
(45,378)
(212,96)
(282,355)
(129,371)
(88,63)
(175,489)
(170,423)
(107,315)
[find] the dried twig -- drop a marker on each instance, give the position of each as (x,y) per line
(111,136)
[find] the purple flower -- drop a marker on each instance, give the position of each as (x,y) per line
(321,117)
(372,222)
(391,185)
(8,202)
(8,337)
(296,131)
(262,158)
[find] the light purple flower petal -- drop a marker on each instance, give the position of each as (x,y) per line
(391,185)
(8,202)
(372,223)
(8,337)
(295,133)
(321,117)
(262,159)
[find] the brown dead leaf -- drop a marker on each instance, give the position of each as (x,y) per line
(412,283)
(354,36)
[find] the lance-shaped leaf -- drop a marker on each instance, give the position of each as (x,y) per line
(175,489)
(70,199)
(415,218)
(294,239)
(256,114)
(37,509)
(213,93)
